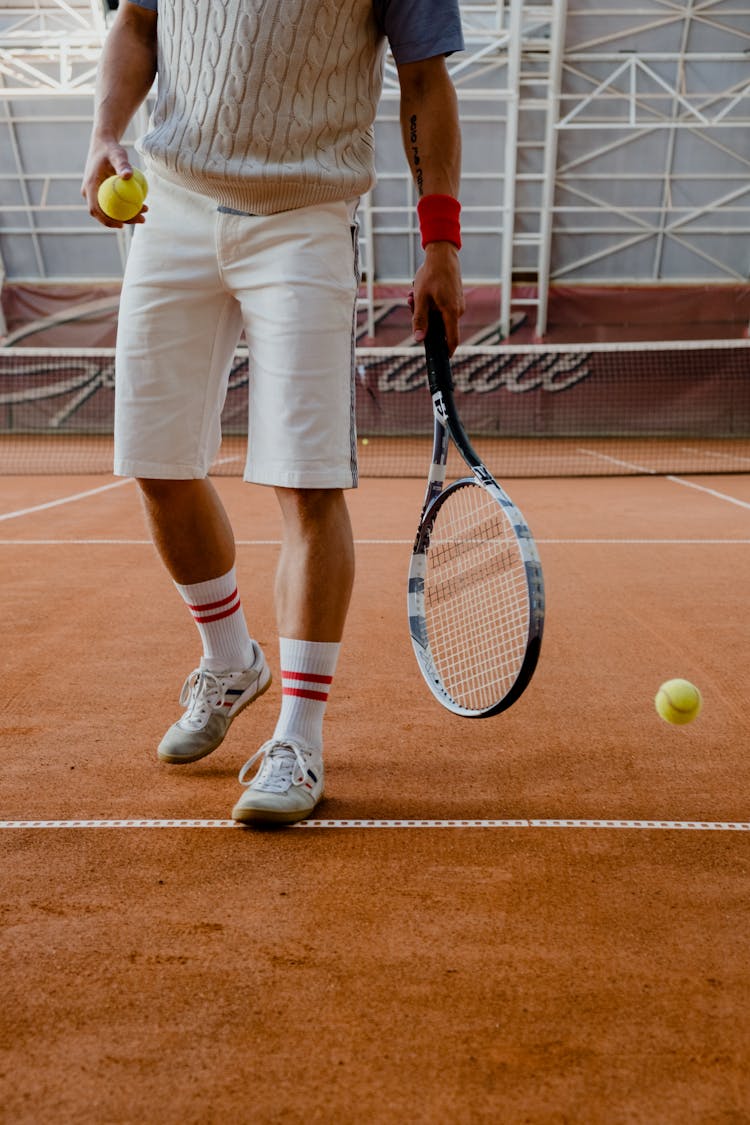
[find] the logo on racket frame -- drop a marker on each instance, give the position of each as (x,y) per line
(439,407)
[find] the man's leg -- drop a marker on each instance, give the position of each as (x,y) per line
(298,294)
(189,527)
(193,536)
(316,568)
(313,588)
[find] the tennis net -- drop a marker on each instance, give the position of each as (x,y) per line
(547,410)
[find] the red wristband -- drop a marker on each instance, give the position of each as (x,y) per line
(439,219)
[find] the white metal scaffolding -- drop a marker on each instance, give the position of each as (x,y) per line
(605,141)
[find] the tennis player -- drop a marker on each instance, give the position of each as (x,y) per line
(258,149)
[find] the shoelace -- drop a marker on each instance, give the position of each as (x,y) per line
(284,764)
(201,693)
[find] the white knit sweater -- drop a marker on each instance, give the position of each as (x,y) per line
(267,105)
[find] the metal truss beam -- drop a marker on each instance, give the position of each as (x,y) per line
(50,48)
(605,141)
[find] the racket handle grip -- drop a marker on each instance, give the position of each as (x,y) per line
(435,342)
(439,374)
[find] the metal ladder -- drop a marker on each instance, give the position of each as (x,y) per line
(535,54)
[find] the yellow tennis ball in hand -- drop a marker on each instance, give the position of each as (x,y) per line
(678,702)
(140,179)
(122,199)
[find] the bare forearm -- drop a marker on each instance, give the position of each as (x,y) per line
(432,140)
(126,71)
(430,127)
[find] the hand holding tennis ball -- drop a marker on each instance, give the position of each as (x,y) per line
(123,199)
(678,702)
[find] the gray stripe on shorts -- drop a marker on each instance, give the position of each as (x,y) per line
(353,392)
(353,403)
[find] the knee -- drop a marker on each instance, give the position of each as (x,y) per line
(162,491)
(312,511)
(310,504)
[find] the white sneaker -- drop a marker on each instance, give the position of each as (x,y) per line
(211,701)
(287,786)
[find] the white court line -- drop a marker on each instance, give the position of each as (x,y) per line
(675,480)
(710,491)
(617,825)
(631,465)
(372,542)
(715,454)
(645,542)
(63,500)
(75,542)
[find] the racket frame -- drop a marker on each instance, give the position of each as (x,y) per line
(447,427)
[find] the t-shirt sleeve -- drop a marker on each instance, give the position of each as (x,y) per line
(150,4)
(420,29)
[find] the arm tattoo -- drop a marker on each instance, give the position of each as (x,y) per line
(416,159)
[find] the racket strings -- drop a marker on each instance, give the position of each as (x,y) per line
(476,598)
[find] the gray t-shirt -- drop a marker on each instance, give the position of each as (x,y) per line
(419,29)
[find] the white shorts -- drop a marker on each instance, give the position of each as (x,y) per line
(195,278)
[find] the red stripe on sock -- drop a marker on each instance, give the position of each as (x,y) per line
(321,695)
(217,616)
(307,676)
(213,605)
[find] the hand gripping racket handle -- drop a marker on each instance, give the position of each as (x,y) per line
(440,379)
(439,374)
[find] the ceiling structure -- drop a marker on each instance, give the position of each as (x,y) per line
(605,141)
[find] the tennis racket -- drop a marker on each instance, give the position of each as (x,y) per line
(476,591)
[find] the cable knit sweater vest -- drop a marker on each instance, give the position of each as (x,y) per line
(267,105)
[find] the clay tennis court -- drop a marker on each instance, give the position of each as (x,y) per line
(540,917)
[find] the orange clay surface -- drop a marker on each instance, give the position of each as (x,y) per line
(529,974)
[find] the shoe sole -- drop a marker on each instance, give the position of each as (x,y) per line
(186,759)
(268,816)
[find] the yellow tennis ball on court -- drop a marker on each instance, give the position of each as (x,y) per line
(678,702)
(122,199)
(365,441)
